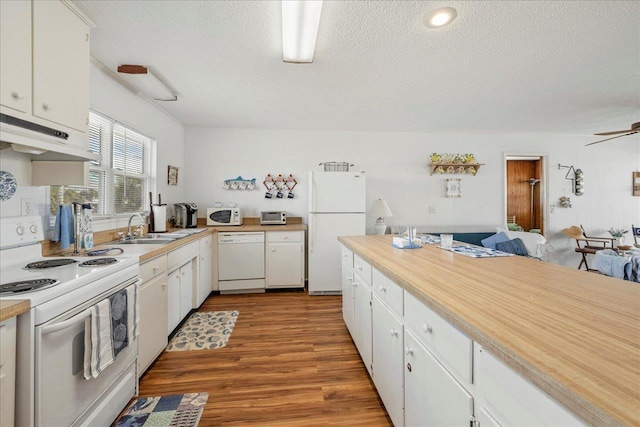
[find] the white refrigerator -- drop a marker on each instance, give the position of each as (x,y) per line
(337,203)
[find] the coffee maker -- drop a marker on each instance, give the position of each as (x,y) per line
(186,215)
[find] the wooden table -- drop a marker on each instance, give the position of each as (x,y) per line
(575,335)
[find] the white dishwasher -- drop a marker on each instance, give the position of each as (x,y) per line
(241,262)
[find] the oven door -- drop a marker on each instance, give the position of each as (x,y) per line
(62,396)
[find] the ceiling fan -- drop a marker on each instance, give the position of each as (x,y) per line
(635,128)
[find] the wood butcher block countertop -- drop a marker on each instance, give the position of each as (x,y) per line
(576,335)
(9,309)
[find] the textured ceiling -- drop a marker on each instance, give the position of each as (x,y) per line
(568,67)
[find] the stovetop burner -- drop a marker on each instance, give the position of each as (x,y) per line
(98,262)
(58,262)
(27,285)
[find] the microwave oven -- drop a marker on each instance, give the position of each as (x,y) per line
(273,218)
(224,216)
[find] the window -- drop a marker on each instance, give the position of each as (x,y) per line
(119,182)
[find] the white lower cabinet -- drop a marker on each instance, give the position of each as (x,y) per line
(153,320)
(362,322)
(348,309)
(180,289)
(205,274)
(426,371)
(509,399)
(7,371)
(284,259)
(388,358)
(433,397)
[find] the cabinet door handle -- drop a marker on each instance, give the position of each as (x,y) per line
(17,96)
(273,250)
(47,107)
(394,333)
(408,351)
(155,270)
(383,289)
(285,238)
(164,285)
(427,329)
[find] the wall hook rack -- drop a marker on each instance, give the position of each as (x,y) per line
(280,185)
(577,181)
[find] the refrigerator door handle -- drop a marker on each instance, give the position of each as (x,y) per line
(312,233)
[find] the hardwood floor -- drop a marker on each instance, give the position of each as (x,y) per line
(290,361)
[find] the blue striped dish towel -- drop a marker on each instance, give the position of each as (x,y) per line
(63,231)
(113,326)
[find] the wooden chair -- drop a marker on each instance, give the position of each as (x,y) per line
(635,231)
(587,245)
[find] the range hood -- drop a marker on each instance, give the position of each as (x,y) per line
(40,142)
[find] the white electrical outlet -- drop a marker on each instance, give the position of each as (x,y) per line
(432,209)
(254,212)
(26,206)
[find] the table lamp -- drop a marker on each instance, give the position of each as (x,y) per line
(380,210)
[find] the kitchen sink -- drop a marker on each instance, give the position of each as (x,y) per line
(150,239)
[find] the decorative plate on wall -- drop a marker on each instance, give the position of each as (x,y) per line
(8,185)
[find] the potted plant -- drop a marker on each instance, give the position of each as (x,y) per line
(618,233)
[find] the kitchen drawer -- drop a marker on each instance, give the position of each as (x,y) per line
(284,236)
(182,254)
(362,268)
(388,292)
(153,268)
(347,257)
(205,243)
(511,399)
(450,346)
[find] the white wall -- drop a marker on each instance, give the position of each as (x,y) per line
(112,99)
(396,169)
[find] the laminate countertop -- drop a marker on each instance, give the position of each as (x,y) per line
(574,334)
(146,252)
(9,309)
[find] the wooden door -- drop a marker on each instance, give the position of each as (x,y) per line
(521,193)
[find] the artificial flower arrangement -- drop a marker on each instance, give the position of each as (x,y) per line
(617,232)
(452,158)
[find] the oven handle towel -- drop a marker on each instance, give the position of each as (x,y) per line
(113,327)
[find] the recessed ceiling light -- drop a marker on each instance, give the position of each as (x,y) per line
(440,17)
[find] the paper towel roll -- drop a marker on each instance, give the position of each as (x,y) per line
(159,218)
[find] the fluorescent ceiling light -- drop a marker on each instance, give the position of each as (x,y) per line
(300,20)
(440,17)
(142,79)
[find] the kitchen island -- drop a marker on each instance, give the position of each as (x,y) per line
(574,335)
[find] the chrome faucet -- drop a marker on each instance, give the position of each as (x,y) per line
(129,235)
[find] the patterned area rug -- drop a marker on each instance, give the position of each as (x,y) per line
(180,410)
(204,331)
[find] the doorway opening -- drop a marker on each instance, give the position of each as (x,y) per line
(525,189)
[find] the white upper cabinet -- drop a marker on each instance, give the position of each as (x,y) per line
(44,70)
(60,65)
(15,45)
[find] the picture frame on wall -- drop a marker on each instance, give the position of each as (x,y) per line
(452,187)
(172,175)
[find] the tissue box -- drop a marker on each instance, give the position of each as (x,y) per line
(404,243)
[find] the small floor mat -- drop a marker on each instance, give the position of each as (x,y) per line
(204,331)
(179,410)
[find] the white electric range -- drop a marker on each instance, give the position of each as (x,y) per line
(50,385)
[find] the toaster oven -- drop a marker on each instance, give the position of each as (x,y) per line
(273,218)
(224,216)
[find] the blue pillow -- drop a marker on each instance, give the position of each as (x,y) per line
(490,242)
(515,246)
